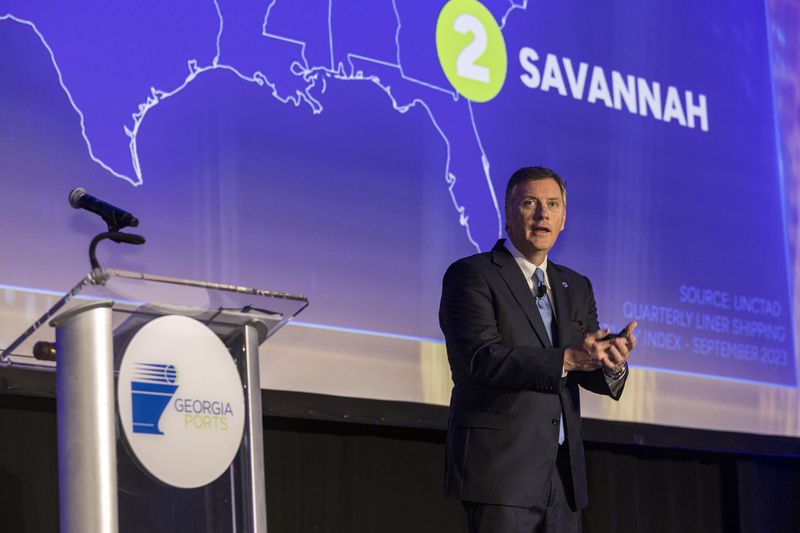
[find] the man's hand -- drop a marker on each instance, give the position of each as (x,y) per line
(596,353)
(620,349)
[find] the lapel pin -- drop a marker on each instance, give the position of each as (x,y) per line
(564,284)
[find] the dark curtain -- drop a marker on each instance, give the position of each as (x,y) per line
(349,478)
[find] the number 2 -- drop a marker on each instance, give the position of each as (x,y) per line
(465,63)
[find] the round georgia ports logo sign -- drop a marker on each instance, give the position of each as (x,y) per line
(181,402)
(471,49)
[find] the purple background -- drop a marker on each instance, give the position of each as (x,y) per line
(277,168)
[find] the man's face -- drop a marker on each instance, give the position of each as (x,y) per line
(535,216)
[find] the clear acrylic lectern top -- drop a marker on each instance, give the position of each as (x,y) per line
(140,297)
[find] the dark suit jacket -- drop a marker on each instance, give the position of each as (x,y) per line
(502,436)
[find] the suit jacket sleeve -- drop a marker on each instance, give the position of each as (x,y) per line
(477,349)
(595,381)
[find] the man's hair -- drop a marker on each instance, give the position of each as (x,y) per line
(533,173)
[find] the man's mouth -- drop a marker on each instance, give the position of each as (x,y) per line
(540,229)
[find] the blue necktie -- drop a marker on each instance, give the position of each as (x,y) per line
(543,303)
(546,312)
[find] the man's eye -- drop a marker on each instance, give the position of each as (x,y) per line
(553,205)
(527,203)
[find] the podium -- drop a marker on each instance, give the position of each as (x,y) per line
(158,401)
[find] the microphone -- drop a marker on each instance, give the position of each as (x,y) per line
(44,351)
(115,217)
(541,290)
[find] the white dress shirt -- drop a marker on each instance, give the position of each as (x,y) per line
(528,268)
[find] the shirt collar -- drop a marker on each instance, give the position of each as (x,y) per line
(527,267)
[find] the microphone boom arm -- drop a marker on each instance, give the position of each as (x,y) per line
(116,236)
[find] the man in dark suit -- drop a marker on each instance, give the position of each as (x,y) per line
(522,336)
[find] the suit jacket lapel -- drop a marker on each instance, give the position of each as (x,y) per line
(562,300)
(512,275)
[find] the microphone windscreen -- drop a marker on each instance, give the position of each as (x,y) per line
(541,291)
(75,195)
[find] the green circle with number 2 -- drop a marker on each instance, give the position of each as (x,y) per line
(471,49)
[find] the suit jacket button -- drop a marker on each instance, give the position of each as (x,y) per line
(555,421)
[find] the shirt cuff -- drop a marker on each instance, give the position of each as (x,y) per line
(613,378)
